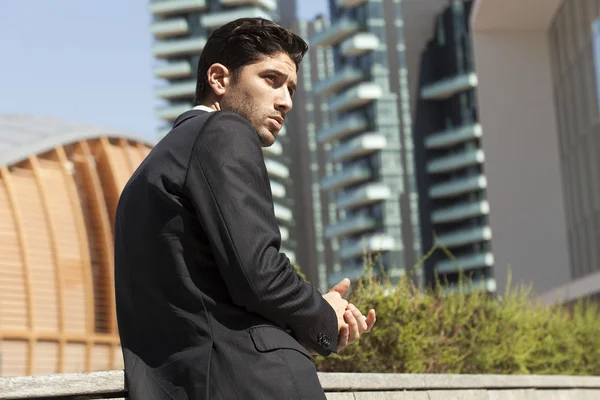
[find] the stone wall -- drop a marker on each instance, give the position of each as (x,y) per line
(338,386)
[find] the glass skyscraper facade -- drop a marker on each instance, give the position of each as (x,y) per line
(450,159)
(370,185)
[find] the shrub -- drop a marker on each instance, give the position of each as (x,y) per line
(426,332)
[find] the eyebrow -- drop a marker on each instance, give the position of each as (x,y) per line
(292,85)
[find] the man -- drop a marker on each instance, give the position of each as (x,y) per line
(207,306)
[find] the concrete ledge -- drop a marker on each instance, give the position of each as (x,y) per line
(368,382)
(351,386)
(95,385)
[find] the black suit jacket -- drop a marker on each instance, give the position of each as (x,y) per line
(207,306)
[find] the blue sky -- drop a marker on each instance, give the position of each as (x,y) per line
(84,61)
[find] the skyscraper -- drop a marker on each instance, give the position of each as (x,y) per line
(312,208)
(181,28)
(372,183)
(538,69)
(450,161)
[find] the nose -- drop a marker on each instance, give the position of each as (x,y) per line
(284,100)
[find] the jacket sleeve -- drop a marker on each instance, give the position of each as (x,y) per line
(228,184)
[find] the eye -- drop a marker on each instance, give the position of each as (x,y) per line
(291,92)
(271,78)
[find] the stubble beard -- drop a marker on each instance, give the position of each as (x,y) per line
(248,109)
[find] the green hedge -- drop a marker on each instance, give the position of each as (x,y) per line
(427,332)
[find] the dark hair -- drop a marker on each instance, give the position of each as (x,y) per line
(242,42)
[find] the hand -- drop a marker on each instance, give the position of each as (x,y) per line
(335,300)
(357,325)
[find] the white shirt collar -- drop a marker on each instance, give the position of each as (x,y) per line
(203,108)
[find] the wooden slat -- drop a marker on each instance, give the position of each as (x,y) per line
(39,249)
(76,209)
(131,161)
(109,177)
(35,167)
(17,213)
(46,355)
(75,359)
(115,164)
(98,196)
(16,359)
(68,245)
(13,296)
(98,238)
(101,357)
(12,334)
(143,149)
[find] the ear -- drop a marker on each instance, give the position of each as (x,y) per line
(219,78)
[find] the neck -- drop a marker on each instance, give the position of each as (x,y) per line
(215,105)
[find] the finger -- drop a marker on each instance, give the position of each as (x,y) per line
(360,319)
(371,319)
(343,337)
(341,287)
(353,326)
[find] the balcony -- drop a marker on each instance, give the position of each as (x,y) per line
(368,194)
(456,161)
(277,169)
(277,190)
(371,244)
(473,261)
(335,33)
(353,271)
(348,176)
(339,81)
(268,4)
(177,90)
(179,47)
(359,44)
(449,87)
(170,113)
(276,149)
(342,128)
(357,96)
(466,236)
(453,136)
(283,213)
(350,226)
(216,19)
(359,146)
(476,285)
(458,187)
(170,27)
(461,212)
(175,70)
(166,7)
(350,3)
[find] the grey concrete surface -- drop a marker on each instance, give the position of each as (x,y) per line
(338,386)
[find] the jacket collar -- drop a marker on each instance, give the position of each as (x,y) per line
(187,115)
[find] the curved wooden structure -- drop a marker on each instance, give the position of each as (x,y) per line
(57,310)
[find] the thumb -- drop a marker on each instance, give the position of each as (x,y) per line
(341,287)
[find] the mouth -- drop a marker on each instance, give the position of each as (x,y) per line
(278,122)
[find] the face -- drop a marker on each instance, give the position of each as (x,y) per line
(262,93)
